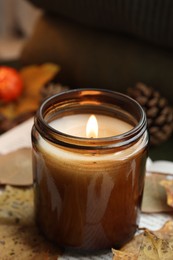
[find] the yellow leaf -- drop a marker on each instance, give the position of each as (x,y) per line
(149,245)
(36,76)
(20,238)
(120,255)
(133,246)
(154,197)
(155,248)
(168,185)
(166,232)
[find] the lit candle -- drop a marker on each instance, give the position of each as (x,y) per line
(89,169)
(92,127)
(81,124)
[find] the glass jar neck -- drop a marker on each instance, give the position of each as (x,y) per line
(82,101)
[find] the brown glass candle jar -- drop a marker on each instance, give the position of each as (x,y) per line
(88,190)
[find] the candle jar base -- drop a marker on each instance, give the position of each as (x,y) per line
(88,191)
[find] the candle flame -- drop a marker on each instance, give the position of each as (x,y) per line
(92,127)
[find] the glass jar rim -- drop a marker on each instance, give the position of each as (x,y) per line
(61,138)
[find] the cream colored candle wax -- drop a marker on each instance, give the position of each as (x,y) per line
(75,125)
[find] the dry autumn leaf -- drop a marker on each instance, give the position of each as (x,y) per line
(34,77)
(133,246)
(17,206)
(155,248)
(16,168)
(8,110)
(19,236)
(120,255)
(20,242)
(166,232)
(168,185)
(149,245)
(154,197)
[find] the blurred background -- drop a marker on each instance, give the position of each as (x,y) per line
(17,18)
(122,45)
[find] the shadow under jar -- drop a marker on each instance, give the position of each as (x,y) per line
(88,190)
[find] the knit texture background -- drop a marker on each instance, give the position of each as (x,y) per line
(150,20)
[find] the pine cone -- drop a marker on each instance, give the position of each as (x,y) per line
(51,89)
(159,113)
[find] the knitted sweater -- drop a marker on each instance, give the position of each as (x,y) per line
(150,20)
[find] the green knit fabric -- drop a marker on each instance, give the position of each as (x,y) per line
(151,20)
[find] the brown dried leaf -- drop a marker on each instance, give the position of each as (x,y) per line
(120,255)
(134,245)
(21,239)
(129,251)
(8,110)
(35,76)
(16,168)
(16,206)
(25,242)
(166,232)
(154,197)
(27,104)
(148,245)
(168,185)
(155,248)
